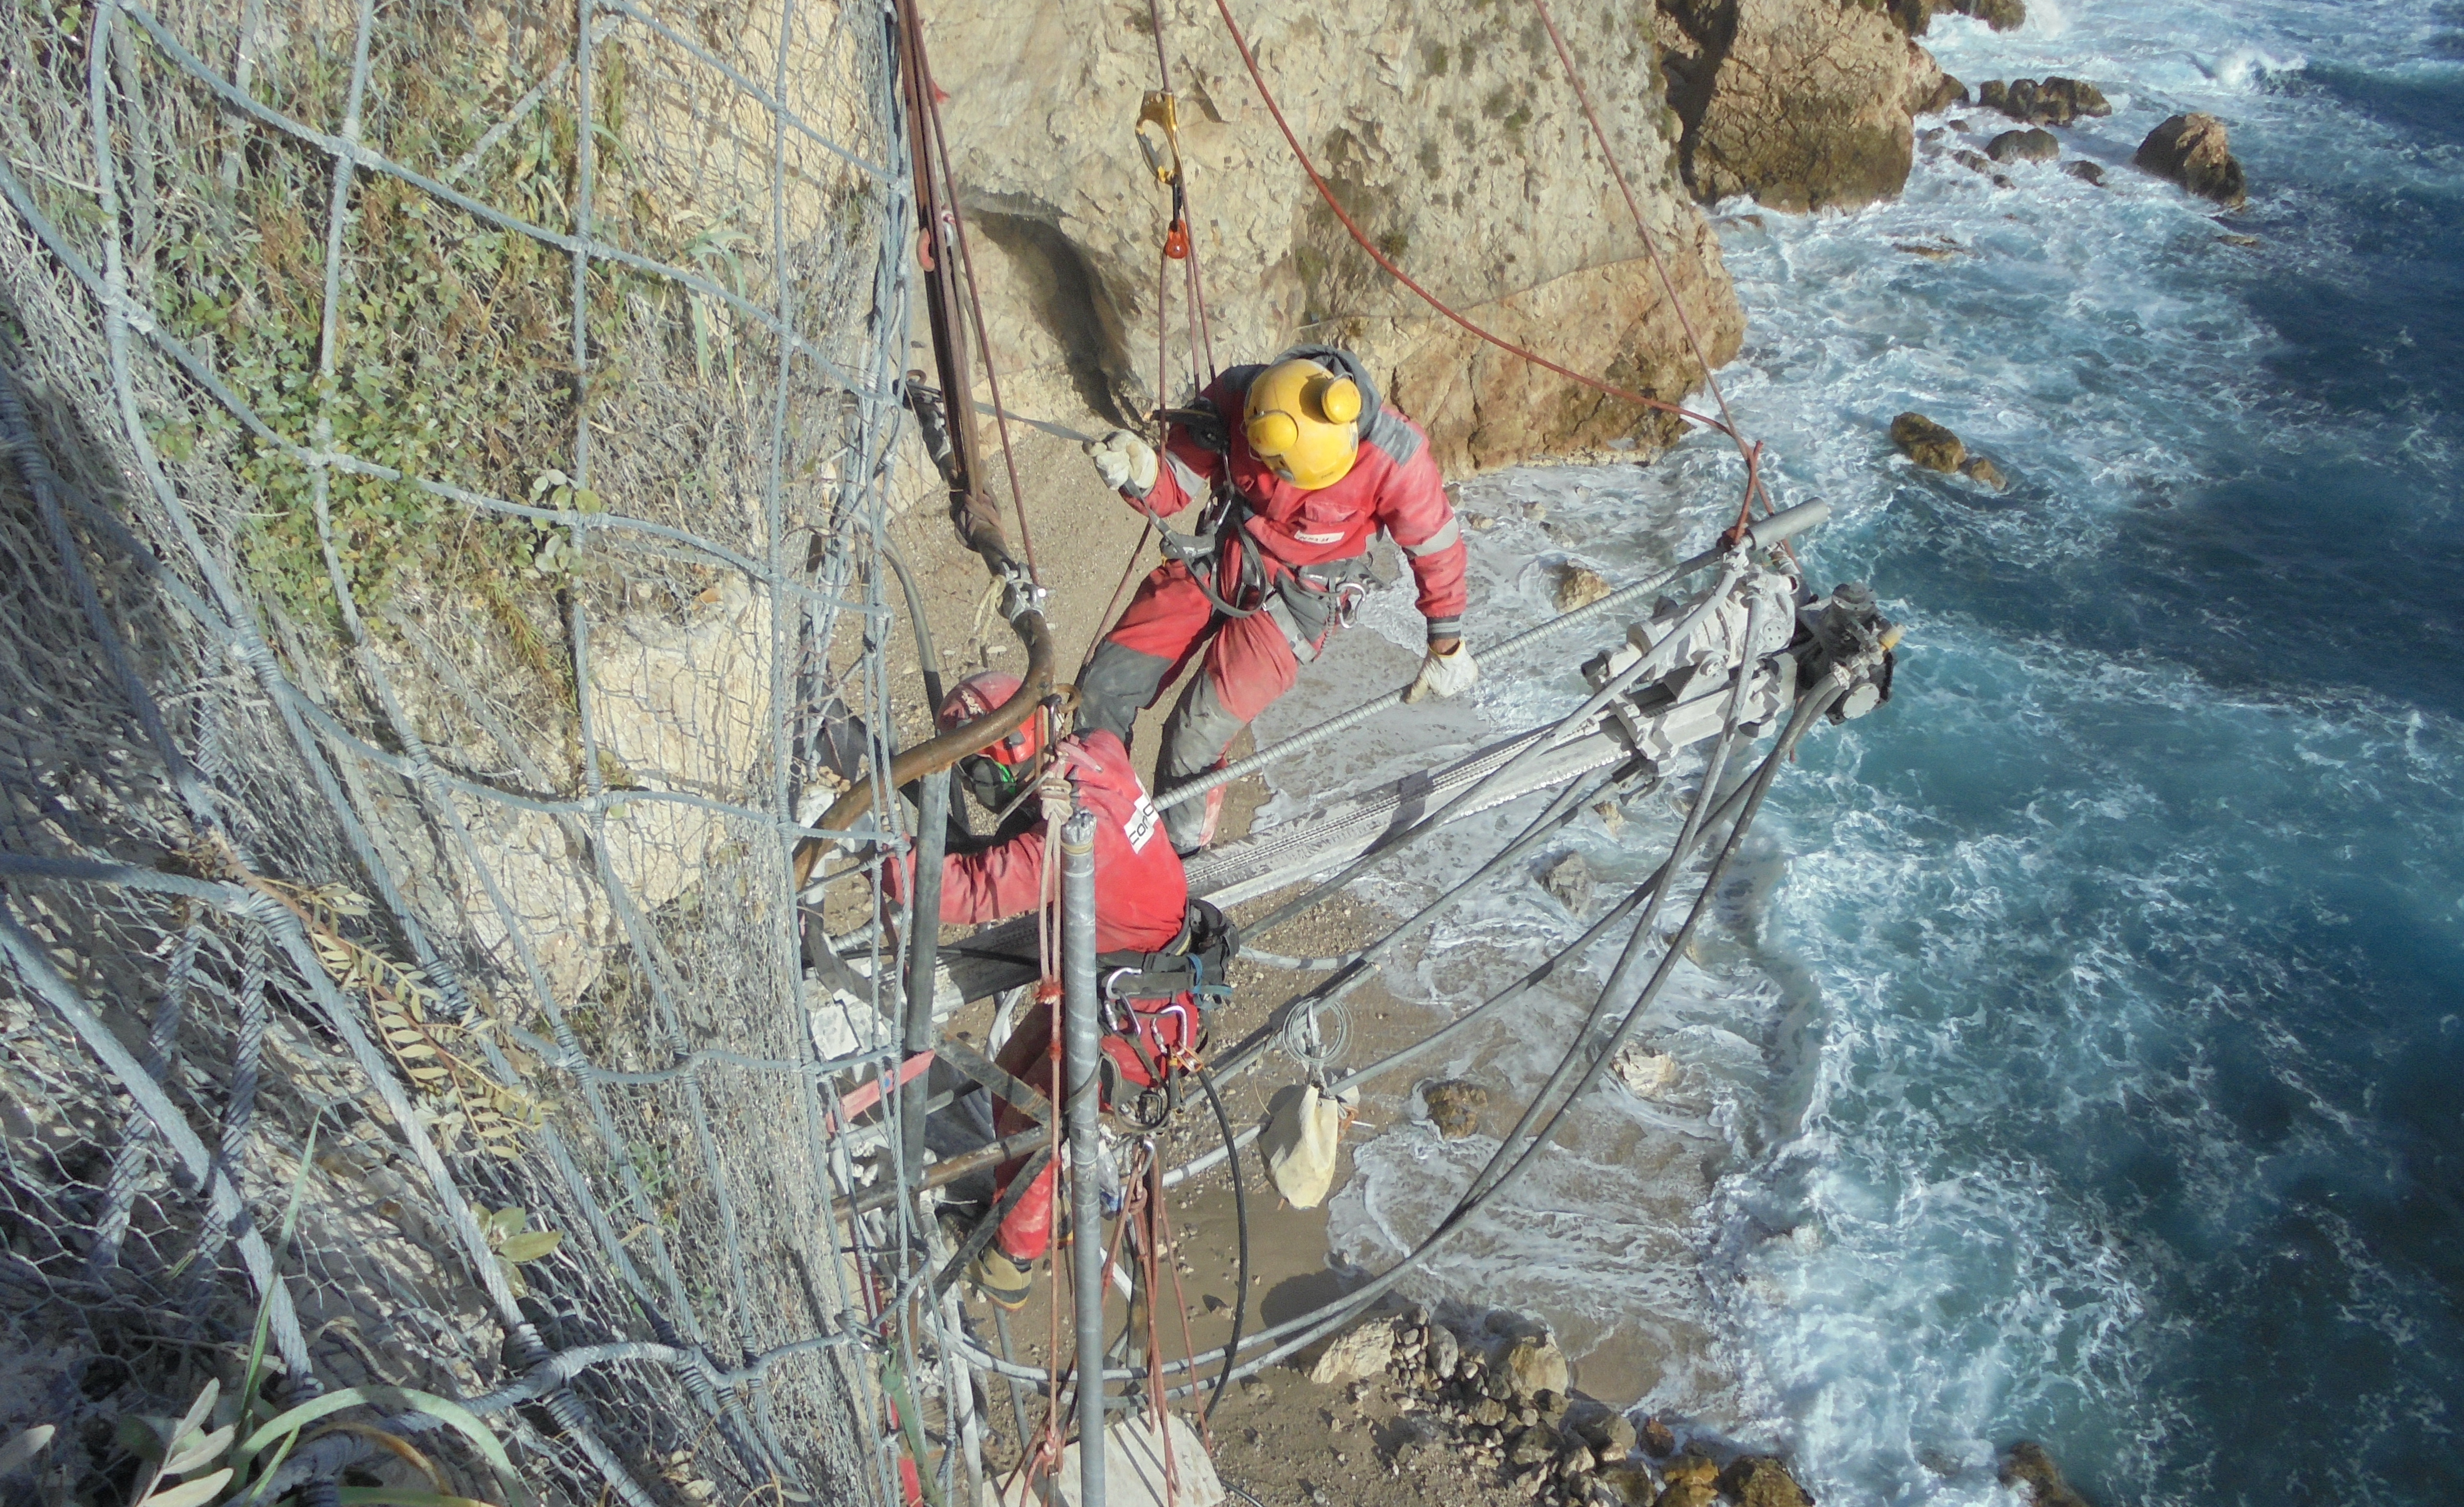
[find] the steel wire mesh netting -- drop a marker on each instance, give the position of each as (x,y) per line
(448,448)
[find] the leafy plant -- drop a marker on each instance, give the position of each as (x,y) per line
(513,1242)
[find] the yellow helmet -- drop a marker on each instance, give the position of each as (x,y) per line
(1304,421)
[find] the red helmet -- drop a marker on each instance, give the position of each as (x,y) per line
(979,695)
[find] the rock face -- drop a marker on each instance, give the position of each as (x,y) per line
(1926,443)
(1447,132)
(2029,1468)
(2032,146)
(1455,1107)
(2196,152)
(2055,101)
(1803,105)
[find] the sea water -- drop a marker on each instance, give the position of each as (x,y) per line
(2078,1053)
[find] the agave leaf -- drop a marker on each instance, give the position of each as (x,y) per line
(189,1493)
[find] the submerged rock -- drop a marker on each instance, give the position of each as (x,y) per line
(2036,145)
(1976,161)
(1984,473)
(1569,880)
(2085,171)
(1455,1107)
(2032,1471)
(1761,1480)
(1926,443)
(2196,152)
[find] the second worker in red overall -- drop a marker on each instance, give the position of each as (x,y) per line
(1300,464)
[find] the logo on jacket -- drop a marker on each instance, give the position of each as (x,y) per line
(1141,826)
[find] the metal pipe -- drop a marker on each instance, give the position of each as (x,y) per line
(923,952)
(1081,1046)
(1787,523)
(1498,654)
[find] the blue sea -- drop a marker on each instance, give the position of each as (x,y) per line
(2094,1073)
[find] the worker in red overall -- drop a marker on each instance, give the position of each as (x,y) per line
(1301,463)
(1141,908)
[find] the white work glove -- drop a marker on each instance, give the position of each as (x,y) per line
(1125,462)
(1444,674)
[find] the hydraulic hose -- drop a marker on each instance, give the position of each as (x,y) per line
(927,661)
(1240,1220)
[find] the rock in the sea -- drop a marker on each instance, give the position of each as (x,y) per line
(2030,1468)
(2196,152)
(1760,1480)
(1630,1483)
(1535,1365)
(1984,473)
(2085,171)
(1365,1351)
(2054,101)
(1569,880)
(1945,92)
(1976,162)
(1455,1106)
(1658,1440)
(1579,586)
(1926,443)
(1646,1074)
(1692,1468)
(2034,145)
(2003,15)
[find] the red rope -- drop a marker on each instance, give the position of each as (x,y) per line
(1622,394)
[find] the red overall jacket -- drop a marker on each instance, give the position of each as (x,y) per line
(1393,485)
(1141,893)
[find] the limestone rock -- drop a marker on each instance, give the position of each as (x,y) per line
(1489,1411)
(1926,443)
(2085,171)
(1688,1494)
(1455,1106)
(1450,141)
(2055,101)
(1364,1351)
(1802,106)
(1945,93)
(1569,880)
(1446,1351)
(2196,152)
(2036,145)
(1579,586)
(2032,1471)
(1631,1485)
(1535,1363)
(1761,1480)
(1984,473)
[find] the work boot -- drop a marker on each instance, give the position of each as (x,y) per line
(1001,1278)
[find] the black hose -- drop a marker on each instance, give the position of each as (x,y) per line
(926,660)
(1240,1220)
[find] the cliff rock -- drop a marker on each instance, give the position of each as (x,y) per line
(2196,152)
(1801,103)
(1449,135)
